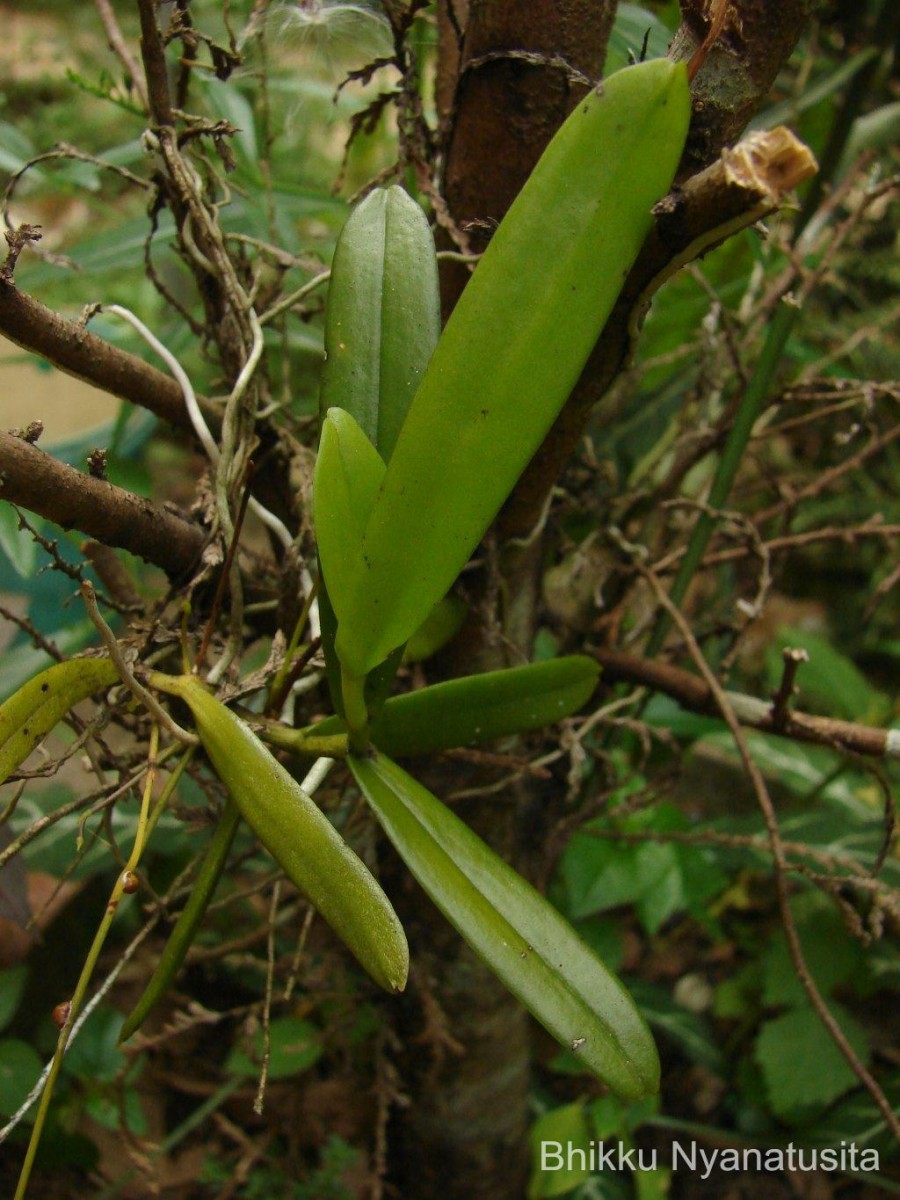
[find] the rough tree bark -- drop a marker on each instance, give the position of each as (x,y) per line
(509,74)
(740,67)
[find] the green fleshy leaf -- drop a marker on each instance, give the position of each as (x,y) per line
(28,716)
(476,708)
(515,930)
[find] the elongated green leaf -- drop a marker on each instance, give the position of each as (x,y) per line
(298,835)
(443,623)
(348,474)
(383,316)
(328,628)
(182,936)
(382,324)
(478,708)
(31,712)
(532,949)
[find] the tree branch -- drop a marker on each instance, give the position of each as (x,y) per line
(791,541)
(738,70)
(153,55)
(71,499)
(73,349)
(692,693)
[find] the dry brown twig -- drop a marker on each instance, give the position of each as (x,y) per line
(694,694)
(827,479)
(121,48)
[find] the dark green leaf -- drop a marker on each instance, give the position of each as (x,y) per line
(95,1054)
(20,1067)
(12,984)
(478,708)
(553,1134)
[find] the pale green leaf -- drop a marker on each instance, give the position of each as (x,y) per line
(515,930)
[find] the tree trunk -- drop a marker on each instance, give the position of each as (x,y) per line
(466,1056)
(509,74)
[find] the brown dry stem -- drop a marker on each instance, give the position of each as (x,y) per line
(693,694)
(780,863)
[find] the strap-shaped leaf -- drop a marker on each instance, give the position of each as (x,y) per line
(383,315)
(298,835)
(182,936)
(328,630)
(518,933)
(28,716)
(476,708)
(382,323)
(347,476)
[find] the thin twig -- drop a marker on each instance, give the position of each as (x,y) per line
(121,48)
(779,857)
(693,694)
(792,541)
(123,959)
(289,301)
(37,638)
(259,1098)
(140,693)
(825,479)
(793,659)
